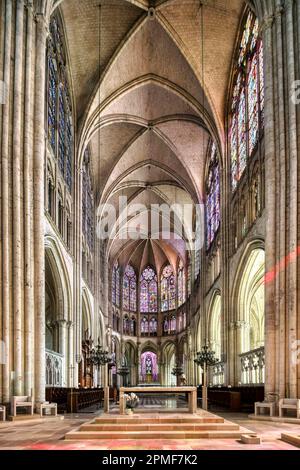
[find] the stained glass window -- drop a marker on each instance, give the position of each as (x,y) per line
(180,326)
(60,128)
(149,366)
(115,285)
(166,325)
(88,225)
(189,279)
(168,289)
(148,291)
(173,324)
(129,289)
(144,326)
(181,284)
(184,320)
(153,326)
(52,98)
(247,106)
(132,326)
(213,197)
(126,325)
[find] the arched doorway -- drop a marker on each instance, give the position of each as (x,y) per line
(216,373)
(86,370)
(130,357)
(250,320)
(215,327)
(57,316)
(169,362)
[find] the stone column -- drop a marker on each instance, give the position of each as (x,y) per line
(138,361)
(62,332)
(106,389)
(16,188)
(38,193)
(70,382)
(28,233)
(293,193)
(279,22)
(5,205)
(77,246)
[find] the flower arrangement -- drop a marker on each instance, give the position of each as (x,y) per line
(131,400)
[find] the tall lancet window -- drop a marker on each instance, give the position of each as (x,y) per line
(181,287)
(246,118)
(60,127)
(212,197)
(168,289)
(129,289)
(88,224)
(115,284)
(148,291)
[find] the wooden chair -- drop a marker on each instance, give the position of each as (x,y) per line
(289,404)
(3,412)
(21,402)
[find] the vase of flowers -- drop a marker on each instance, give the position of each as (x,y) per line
(132,401)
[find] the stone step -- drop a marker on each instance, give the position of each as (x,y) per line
(105,435)
(158,420)
(157,427)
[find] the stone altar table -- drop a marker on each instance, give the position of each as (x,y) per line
(191,391)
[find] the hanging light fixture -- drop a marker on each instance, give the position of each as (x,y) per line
(177,370)
(99,356)
(206,357)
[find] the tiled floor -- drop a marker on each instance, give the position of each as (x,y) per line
(50,436)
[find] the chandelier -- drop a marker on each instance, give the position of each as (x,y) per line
(177,370)
(206,357)
(99,357)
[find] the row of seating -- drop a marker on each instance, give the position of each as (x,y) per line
(59,400)
(284,404)
(72,399)
(27,403)
(226,399)
(79,400)
(235,398)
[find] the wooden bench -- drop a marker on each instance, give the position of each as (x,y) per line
(226,398)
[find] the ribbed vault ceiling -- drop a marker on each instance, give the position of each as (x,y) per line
(144,108)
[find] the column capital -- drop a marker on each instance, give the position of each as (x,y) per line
(267,23)
(28,4)
(61,322)
(279,11)
(43,24)
(288,4)
(237,325)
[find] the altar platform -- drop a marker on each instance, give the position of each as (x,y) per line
(156,425)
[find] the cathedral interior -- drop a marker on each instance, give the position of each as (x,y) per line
(149,191)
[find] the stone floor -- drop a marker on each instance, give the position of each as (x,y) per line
(50,436)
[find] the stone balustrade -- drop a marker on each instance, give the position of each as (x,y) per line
(54,369)
(253,366)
